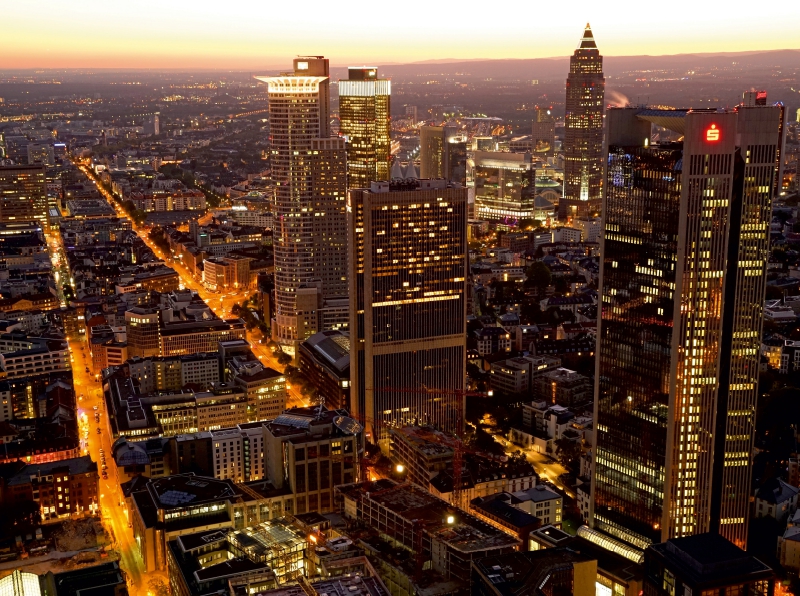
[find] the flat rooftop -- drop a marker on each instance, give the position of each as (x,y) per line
(466,534)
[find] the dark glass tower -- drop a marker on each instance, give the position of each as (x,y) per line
(583,131)
(682,285)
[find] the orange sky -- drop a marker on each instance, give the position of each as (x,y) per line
(263,34)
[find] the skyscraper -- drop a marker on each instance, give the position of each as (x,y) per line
(443,154)
(544,131)
(23,194)
(407,271)
(309,171)
(583,131)
(364,115)
(682,285)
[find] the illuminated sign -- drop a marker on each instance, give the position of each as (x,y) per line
(712,134)
(302,66)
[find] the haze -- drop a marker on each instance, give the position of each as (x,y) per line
(249,34)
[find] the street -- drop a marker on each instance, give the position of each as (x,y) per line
(220,304)
(114,514)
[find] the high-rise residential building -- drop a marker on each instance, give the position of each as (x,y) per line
(443,154)
(543,137)
(682,285)
(152,126)
(583,131)
(364,117)
(407,271)
(23,194)
(309,170)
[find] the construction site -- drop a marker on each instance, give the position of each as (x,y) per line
(441,537)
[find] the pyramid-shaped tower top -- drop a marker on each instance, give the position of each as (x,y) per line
(587,42)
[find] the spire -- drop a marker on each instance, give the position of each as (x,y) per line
(587,42)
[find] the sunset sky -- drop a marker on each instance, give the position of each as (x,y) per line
(250,34)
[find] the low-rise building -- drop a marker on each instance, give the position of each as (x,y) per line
(168,507)
(552,571)
(516,376)
(563,387)
(449,538)
(492,340)
(62,489)
(310,451)
(325,361)
(198,336)
(171,373)
(704,564)
(777,499)
(23,356)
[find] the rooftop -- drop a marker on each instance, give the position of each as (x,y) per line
(466,533)
(708,558)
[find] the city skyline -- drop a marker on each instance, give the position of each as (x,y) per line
(152,35)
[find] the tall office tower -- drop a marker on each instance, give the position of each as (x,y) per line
(583,131)
(23,194)
(544,131)
(309,171)
(152,125)
(364,117)
(407,272)
(682,284)
(443,154)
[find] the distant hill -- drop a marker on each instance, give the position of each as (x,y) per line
(546,68)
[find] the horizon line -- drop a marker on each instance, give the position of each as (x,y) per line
(429,62)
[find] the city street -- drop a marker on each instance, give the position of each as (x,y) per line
(548,469)
(220,304)
(114,513)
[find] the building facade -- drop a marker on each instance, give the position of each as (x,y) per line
(408,291)
(364,121)
(543,137)
(583,131)
(23,194)
(682,285)
(443,154)
(309,170)
(504,186)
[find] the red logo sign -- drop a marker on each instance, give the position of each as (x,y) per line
(712,134)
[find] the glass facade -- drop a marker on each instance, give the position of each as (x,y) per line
(503,186)
(636,339)
(682,288)
(583,131)
(364,114)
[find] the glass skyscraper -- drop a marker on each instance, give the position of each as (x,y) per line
(682,285)
(365,122)
(583,131)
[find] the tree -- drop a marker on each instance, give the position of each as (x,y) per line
(283,358)
(538,275)
(569,454)
(158,587)
(20,517)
